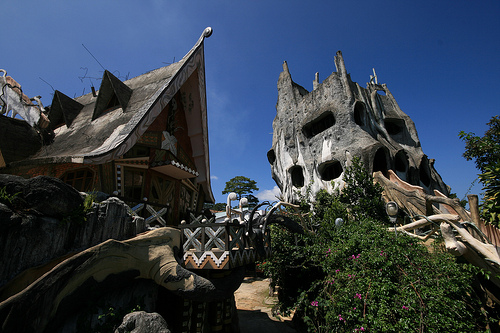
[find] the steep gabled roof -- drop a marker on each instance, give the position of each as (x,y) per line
(109,124)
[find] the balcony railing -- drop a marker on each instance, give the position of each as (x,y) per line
(209,245)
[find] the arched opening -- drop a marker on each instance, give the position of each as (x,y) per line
(425,172)
(380,161)
(359,113)
(401,162)
(271,156)
(330,170)
(297,176)
(318,125)
(401,165)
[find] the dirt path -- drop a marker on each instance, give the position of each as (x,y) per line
(254,308)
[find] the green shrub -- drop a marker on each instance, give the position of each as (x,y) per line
(7,198)
(359,277)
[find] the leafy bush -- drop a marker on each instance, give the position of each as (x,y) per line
(6,198)
(490,207)
(359,277)
(485,151)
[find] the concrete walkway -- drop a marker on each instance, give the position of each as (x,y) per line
(254,309)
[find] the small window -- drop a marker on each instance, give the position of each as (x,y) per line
(133,181)
(359,113)
(318,125)
(380,162)
(330,170)
(394,126)
(81,179)
(401,162)
(271,156)
(425,172)
(297,176)
(112,104)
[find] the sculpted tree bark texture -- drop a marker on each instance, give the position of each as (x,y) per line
(315,134)
(147,256)
(462,238)
(415,200)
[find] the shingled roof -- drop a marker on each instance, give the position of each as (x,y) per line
(97,128)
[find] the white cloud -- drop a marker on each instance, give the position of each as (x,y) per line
(214,177)
(269,195)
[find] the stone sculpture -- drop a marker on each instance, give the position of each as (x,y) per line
(149,256)
(13,98)
(316,133)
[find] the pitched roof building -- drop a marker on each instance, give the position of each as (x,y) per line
(146,137)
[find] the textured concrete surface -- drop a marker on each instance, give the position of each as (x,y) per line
(255,308)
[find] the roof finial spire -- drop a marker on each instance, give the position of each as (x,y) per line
(207,32)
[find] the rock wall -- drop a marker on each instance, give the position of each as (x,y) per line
(316,133)
(45,220)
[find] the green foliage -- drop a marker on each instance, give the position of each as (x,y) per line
(359,277)
(104,317)
(6,198)
(242,186)
(490,208)
(112,318)
(363,197)
(220,206)
(79,215)
(485,151)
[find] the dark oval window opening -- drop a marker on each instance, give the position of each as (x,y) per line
(297,176)
(394,126)
(330,170)
(424,172)
(401,162)
(380,162)
(318,125)
(359,113)
(271,156)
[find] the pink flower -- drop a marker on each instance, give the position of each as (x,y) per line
(358,295)
(337,270)
(314,303)
(406,308)
(341,319)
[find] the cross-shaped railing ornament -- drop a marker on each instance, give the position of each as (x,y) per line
(192,238)
(156,215)
(237,238)
(137,208)
(216,238)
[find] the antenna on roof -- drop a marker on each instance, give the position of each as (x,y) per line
(47,83)
(169,63)
(93,57)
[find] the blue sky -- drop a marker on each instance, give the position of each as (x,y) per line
(438,58)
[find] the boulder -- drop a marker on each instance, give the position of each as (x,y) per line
(43,195)
(143,322)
